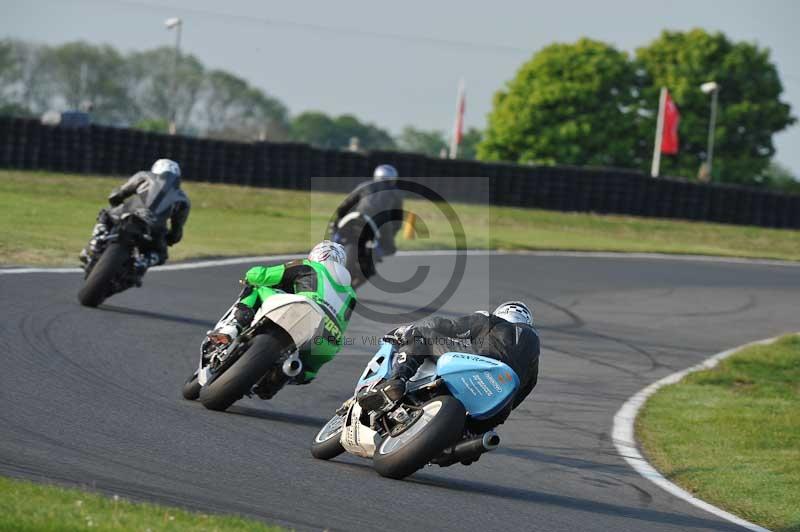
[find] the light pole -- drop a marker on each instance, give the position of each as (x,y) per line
(712,88)
(176,24)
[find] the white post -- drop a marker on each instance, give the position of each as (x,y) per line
(662,101)
(176,24)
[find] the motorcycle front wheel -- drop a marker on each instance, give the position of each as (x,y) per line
(327,443)
(98,284)
(439,426)
(262,354)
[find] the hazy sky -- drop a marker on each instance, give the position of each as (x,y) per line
(399,63)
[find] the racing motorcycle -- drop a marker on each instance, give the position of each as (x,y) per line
(360,236)
(265,356)
(112,267)
(430,424)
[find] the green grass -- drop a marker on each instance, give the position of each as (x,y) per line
(25,506)
(731,435)
(46,219)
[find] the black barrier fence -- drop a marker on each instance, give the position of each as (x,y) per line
(27,144)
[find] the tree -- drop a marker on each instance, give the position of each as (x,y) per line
(750,109)
(79,72)
(150,75)
(569,104)
(321,130)
(420,141)
(232,109)
(777,176)
(23,78)
(469,143)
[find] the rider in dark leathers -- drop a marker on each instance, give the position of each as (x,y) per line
(507,335)
(381,200)
(158,192)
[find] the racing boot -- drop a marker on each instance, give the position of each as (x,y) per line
(384,396)
(228,329)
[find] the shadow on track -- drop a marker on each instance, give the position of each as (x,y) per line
(158,316)
(573,503)
(550,499)
(565,461)
(281,417)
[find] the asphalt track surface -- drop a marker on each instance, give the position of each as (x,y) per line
(92,396)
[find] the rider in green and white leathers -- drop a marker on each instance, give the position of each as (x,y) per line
(325,281)
(336,300)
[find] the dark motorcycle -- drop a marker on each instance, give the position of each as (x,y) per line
(112,267)
(359,235)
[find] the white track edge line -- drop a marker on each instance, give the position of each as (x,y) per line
(623,435)
(476,252)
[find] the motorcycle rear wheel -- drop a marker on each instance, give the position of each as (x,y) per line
(98,285)
(440,426)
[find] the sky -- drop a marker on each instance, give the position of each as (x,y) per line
(399,63)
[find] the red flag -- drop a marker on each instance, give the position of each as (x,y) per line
(458,126)
(669,139)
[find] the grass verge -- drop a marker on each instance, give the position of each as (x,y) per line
(25,506)
(731,435)
(46,219)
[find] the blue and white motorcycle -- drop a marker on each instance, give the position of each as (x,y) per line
(429,424)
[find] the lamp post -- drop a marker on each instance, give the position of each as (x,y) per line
(176,24)
(712,88)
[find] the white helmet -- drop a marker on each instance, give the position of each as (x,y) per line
(162,166)
(514,312)
(328,251)
(385,171)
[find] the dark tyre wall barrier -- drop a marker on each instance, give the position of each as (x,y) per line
(27,144)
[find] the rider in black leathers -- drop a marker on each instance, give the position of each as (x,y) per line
(159,194)
(507,335)
(381,200)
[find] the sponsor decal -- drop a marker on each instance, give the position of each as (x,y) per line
(493,382)
(486,390)
(469,387)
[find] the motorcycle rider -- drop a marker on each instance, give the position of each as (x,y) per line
(506,335)
(322,277)
(157,194)
(381,200)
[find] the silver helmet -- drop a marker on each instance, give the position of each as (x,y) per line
(514,312)
(385,171)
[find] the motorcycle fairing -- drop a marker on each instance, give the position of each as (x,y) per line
(298,315)
(378,368)
(483,385)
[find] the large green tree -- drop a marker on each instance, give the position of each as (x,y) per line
(570,104)
(750,109)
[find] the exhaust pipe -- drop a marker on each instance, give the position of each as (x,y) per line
(292,366)
(470,450)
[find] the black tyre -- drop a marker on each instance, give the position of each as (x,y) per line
(327,443)
(98,285)
(439,427)
(191,388)
(262,354)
